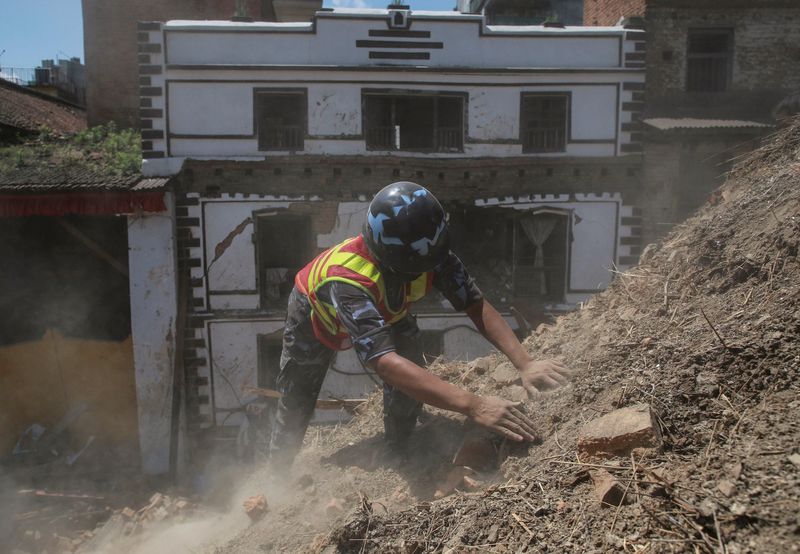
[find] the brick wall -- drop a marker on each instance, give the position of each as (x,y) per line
(348,177)
(609,12)
(766,57)
(110,46)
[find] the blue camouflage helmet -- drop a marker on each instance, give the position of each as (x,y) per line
(406,229)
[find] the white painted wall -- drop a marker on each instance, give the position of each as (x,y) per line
(212,68)
(350,218)
(333,42)
(204,111)
(153,287)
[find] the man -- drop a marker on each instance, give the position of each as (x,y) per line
(357,294)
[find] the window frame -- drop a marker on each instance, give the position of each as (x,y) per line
(393,93)
(262,92)
(567,96)
(567,220)
(728,32)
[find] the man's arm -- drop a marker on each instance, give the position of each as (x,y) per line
(500,415)
(536,375)
(372,339)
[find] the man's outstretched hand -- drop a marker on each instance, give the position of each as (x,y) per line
(503,417)
(544,375)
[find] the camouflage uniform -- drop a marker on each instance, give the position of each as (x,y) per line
(305,360)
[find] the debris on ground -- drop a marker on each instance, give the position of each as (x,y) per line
(683,417)
(619,432)
(679,432)
(255,507)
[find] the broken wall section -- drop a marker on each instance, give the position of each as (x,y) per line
(65,340)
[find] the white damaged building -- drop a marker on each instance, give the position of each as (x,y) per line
(276,135)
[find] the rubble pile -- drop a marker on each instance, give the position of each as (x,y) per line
(680,430)
(127,523)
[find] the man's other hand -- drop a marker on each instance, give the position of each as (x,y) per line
(503,417)
(544,375)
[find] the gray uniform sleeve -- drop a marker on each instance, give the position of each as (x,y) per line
(454,281)
(370,334)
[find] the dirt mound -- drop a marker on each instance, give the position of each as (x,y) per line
(706,331)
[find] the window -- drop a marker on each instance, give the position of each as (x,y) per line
(543,122)
(422,122)
(280,119)
(518,258)
(709,59)
(540,255)
(282,249)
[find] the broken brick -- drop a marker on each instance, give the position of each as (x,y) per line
(607,489)
(619,432)
(127,513)
(256,507)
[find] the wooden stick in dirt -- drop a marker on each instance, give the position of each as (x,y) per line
(714,329)
(349,404)
(522,523)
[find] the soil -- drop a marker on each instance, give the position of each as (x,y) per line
(706,330)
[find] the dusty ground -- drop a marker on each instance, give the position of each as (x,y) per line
(706,331)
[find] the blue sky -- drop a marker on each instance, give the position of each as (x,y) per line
(33,30)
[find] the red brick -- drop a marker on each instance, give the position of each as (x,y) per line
(619,432)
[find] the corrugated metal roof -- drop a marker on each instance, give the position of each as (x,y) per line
(668,124)
(151,184)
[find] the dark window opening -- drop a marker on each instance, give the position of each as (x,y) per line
(269,359)
(66,274)
(540,256)
(517,258)
(282,249)
(709,60)
(280,120)
(414,122)
(543,122)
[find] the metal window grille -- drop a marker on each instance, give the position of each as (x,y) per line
(281,120)
(544,123)
(708,60)
(418,122)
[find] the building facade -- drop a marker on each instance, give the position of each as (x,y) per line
(278,134)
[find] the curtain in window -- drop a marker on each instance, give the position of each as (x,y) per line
(537,229)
